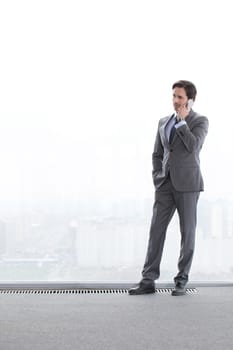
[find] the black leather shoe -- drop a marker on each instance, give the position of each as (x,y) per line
(179,290)
(142,288)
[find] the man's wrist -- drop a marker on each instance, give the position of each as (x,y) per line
(180,123)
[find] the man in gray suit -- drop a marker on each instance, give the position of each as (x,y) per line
(178,182)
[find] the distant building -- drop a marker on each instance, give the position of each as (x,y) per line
(73,228)
(3,243)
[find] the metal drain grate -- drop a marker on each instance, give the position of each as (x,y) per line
(65,291)
(84,291)
(169,290)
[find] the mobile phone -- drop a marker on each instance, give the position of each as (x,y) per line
(189,104)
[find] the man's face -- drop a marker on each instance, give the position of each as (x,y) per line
(179,98)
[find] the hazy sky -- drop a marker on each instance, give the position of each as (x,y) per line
(84,83)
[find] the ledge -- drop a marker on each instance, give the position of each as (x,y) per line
(98,285)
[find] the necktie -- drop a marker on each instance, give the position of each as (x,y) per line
(173,131)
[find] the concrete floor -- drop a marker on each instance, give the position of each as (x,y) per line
(203,320)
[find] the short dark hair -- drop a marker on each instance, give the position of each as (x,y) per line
(189,87)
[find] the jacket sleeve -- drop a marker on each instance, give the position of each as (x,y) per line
(193,139)
(157,155)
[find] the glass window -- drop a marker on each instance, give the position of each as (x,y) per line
(83,85)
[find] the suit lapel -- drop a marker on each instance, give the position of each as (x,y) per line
(163,130)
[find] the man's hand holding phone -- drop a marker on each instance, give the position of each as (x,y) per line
(184,110)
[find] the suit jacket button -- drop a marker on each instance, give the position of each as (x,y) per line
(171,150)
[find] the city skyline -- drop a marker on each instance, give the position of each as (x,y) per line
(113,238)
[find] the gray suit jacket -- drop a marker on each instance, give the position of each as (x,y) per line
(181,157)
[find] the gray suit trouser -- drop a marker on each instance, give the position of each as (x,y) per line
(167,200)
